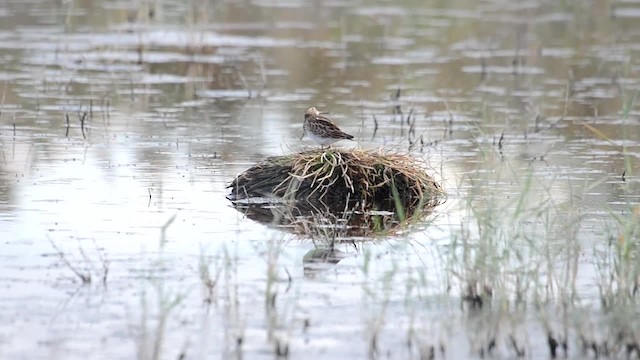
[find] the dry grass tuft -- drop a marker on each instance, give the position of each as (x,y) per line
(361,179)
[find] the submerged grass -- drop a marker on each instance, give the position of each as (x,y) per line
(155,315)
(514,255)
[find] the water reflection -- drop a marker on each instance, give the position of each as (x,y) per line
(318,259)
(327,225)
(180,97)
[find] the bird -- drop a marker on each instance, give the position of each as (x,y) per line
(321,129)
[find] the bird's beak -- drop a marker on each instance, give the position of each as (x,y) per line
(323,112)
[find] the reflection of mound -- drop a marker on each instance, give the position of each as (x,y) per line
(311,221)
(335,192)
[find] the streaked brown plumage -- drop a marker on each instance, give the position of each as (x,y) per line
(321,129)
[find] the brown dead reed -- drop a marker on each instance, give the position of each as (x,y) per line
(361,179)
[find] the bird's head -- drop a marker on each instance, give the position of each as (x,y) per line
(311,112)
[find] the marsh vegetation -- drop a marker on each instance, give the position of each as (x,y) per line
(122,124)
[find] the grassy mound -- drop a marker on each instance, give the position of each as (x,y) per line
(359,179)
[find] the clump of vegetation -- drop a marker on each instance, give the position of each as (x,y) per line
(366,180)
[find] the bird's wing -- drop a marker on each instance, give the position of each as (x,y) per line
(324,119)
(331,128)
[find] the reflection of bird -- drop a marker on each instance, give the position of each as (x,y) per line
(321,129)
(318,260)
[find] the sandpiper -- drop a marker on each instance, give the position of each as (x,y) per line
(321,129)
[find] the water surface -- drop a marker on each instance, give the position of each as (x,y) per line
(118,121)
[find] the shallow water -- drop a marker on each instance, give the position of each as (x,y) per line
(117,120)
